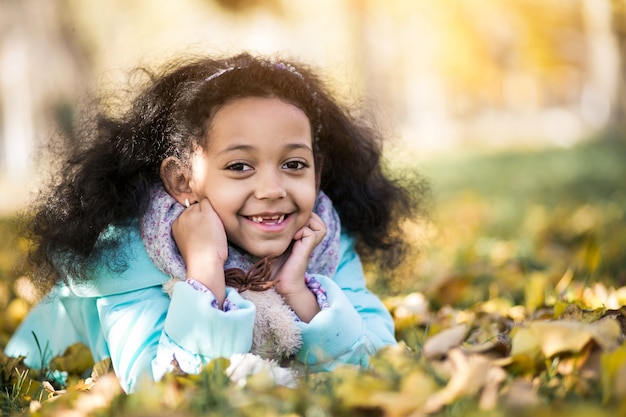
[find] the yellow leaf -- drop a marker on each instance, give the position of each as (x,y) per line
(606,333)
(489,397)
(613,364)
(418,386)
(560,336)
(560,307)
(82,385)
(75,360)
(468,376)
(415,390)
(439,344)
(357,387)
(535,291)
(592,255)
(15,313)
(564,282)
(524,342)
(525,352)
(521,394)
(101,368)
(574,312)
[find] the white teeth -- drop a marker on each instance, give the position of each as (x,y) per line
(259,219)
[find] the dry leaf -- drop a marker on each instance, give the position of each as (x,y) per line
(612,365)
(415,390)
(535,291)
(469,374)
(439,344)
(571,336)
(523,342)
(75,360)
(489,396)
(101,368)
(521,394)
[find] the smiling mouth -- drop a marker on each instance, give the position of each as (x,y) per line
(276,219)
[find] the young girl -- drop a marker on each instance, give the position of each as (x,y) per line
(220,171)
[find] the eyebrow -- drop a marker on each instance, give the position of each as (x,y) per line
(248,148)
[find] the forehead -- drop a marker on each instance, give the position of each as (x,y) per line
(254,118)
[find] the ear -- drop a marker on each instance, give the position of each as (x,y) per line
(176,178)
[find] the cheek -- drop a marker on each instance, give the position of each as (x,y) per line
(224,201)
(307,202)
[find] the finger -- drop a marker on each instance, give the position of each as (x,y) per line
(299,234)
(317,227)
(318,232)
(314,216)
(316,223)
(310,236)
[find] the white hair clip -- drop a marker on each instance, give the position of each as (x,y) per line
(218,73)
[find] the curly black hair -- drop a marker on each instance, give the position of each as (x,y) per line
(105,178)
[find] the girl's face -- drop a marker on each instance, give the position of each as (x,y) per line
(257,172)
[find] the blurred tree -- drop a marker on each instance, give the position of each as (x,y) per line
(451,70)
(605,22)
(244,6)
(43,67)
(619,28)
(523,51)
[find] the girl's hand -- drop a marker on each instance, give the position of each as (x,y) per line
(201,240)
(291,283)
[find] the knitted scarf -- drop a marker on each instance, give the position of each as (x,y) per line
(276,334)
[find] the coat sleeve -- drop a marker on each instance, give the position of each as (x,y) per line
(145,331)
(354,326)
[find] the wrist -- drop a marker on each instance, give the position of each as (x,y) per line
(303,303)
(211,275)
(290,288)
(204,266)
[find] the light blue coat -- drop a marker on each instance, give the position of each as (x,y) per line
(127,316)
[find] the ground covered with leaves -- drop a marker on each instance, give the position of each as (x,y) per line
(513,306)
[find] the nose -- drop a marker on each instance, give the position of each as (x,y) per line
(269,185)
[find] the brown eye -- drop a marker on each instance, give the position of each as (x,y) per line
(239,166)
(295,165)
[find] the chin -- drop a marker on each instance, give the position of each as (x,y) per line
(268,254)
(273,252)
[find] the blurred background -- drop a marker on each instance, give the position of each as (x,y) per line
(515,110)
(443,75)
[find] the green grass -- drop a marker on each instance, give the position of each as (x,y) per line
(590,173)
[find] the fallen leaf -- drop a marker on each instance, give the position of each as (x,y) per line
(612,366)
(439,344)
(571,336)
(469,374)
(75,360)
(357,387)
(574,312)
(524,342)
(101,368)
(535,291)
(415,390)
(489,397)
(521,393)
